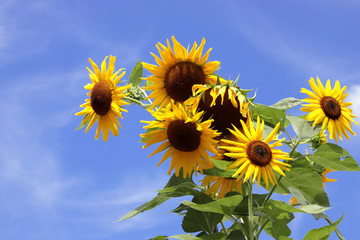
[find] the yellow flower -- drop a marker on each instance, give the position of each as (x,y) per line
(178,71)
(223,103)
(221,185)
(327,106)
(105,99)
(256,157)
(187,140)
(324,179)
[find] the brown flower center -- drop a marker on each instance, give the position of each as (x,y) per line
(259,153)
(331,107)
(183,136)
(180,78)
(101,97)
(224,115)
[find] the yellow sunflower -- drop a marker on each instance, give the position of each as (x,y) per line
(256,157)
(178,71)
(218,101)
(327,105)
(187,140)
(221,185)
(105,99)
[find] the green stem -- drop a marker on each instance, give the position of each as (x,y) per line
(224,228)
(261,228)
(250,206)
(129,99)
(144,92)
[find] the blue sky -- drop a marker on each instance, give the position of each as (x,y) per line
(58,183)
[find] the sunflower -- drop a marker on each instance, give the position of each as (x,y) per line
(178,71)
(221,185)
(187,139)
(254,156)
(105,99)
(327,105)
(224,103)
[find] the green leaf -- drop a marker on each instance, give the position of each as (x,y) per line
(224,206)
(214,236)
(278,207)
(185,237)
(323,232)
(136,74)
(242,208)
(195,221)
(303,128)
(270,115)
(177,186)
(156,201)
(287,103)
(303,177)
(220,169)
(83,124)
(236,235)
(160,237)
(334,157)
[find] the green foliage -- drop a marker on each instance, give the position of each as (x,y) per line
(303,178)
(303,128)
(270,115)
(224,206)
(334,157)
(176,187)
(136,74)
(287,103)
(322,233)
(219,169)
(195,221)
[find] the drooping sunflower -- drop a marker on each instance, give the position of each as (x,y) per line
(221,185)
(178,71)
(224,103)
(187,140)
(256,157)
(327,105)
(105,99)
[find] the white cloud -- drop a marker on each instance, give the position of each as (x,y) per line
(354,97)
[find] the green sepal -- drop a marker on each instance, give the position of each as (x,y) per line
(334,157)
(136,74)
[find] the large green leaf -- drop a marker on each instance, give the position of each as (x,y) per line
(136,74)
(278,207)
(287,103)
(322,233)
(224,206)
(185,237)
(242,208)
(334,157)
(303,177)
(195,221)
(303,128)
(236,235)
(278,227)
(270,115)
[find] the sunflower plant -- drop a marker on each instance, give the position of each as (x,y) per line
(218,142)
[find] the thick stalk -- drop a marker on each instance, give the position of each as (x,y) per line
(250,206)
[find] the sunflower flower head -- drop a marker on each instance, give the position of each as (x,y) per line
(327,106)
(256,157)
(220,100)
(185,138)
(177,71)
(105,99)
